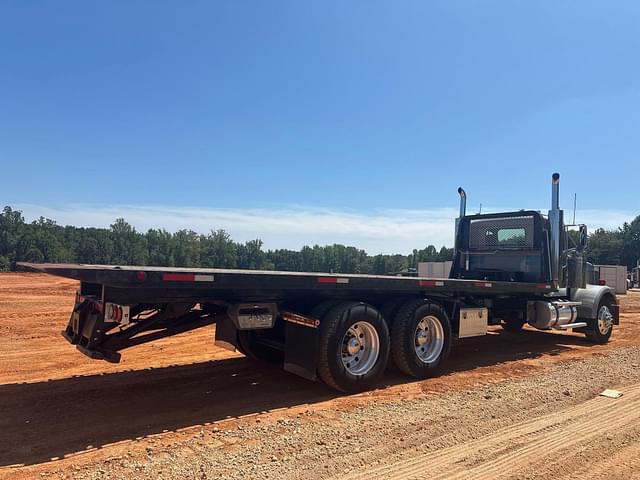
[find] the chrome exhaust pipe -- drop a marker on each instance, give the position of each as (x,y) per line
(463,202)
(463,212)
(555,191)
(555,221)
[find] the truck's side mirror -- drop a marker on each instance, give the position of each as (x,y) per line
(583,238)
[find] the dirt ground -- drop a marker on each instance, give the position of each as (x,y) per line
(512,405)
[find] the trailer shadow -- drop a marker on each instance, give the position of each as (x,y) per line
(47,420)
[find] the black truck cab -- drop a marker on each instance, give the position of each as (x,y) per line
(508,247)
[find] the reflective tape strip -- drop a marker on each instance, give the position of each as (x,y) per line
(203,278)
(482,285)
(544,285)
(186,277)
(332,280)
(430,283)
(178,277)
(300,320)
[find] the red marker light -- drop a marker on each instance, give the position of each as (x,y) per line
(142,276)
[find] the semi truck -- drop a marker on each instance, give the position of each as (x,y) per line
(509,269)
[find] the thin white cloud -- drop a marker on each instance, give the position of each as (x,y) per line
(380,231)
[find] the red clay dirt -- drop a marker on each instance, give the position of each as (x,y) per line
(60,407)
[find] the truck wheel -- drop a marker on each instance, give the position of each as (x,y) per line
(354,347)
(420,338)
(250,346)
(599,329)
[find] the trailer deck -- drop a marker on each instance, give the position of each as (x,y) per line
(126,283)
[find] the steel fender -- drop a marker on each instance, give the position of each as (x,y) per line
(590,298)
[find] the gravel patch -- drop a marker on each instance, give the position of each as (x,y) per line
(317,444)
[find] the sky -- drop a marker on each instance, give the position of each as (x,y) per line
(303,122)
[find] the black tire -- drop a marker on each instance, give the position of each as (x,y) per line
(390,308)
(512,324)
(333,328)
(322,308)
(250,346)
(404,339)
(593,330)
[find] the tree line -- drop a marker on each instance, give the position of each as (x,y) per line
(43,240)
(616,247)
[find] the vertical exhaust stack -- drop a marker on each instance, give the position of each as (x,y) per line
(555,221)
(555,191)
(463,212)
(463,202)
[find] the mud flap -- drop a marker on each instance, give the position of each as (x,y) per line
(226,333)
(301,350)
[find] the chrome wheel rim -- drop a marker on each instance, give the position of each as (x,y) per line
(605,320)
(428,339)
(360,348)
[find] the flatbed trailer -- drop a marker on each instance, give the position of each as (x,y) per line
(144,283)
(509,269)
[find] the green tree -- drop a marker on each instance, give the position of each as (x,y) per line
(160,245)
(218,250)
(250,255)
(129,247)
(445,254)
(287,260)
(630,232)
(604,247)
(186,250)
(11,229)
(379,266)
(48,238)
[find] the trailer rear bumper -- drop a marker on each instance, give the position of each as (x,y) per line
(87,330)
(98,336)
(96,353)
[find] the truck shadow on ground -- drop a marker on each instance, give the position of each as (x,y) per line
(47,420)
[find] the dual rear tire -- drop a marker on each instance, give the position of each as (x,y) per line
(420,338)
(355,342)
(353,348)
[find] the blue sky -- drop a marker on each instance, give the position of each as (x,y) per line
(358,118)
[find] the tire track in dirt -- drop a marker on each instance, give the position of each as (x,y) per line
(519,446)
(624,463)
